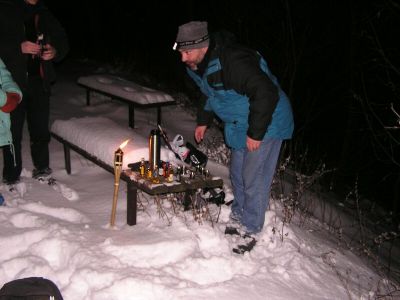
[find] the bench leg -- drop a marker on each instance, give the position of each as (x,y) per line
(158,115)
(87,97)
(67,158)
(131,204)
(131,115)
(188,199)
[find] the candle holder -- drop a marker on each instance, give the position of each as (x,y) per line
(118,161)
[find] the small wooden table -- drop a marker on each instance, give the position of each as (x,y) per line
(134,182)
(186,185)
(127,92)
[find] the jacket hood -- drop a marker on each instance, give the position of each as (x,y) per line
(223,38)
(218,41)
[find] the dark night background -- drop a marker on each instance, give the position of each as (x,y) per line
(337,60)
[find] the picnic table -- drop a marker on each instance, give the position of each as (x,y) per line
(127,92)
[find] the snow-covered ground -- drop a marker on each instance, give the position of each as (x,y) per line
(64,234)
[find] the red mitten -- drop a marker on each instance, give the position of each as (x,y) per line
(12,101)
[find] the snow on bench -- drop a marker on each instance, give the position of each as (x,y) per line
(101,137)
(126,91)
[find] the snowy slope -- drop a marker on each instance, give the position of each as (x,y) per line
(70,241)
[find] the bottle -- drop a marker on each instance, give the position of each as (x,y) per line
(154,149)
(156,178)
(170,177)
(165,168)
(155,171)
(40,41)
(179,173)
(142,168)
(170,170)
(149,172)
(170,173)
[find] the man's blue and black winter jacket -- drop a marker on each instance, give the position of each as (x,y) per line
(240,89)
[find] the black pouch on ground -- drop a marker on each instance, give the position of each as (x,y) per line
(32,288)
(215,197)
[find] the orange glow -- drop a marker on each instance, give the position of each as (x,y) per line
(123,144)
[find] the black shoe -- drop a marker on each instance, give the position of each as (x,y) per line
(246,245)
(10,184)
(231,230)
(42,174)
(10,181)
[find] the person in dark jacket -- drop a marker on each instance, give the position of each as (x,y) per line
(239,88)
(11,36)
(45,42)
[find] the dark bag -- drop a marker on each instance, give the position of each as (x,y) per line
(32,288)
(195,156)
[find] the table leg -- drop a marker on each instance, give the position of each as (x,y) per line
(158,115)
(188,199)
(131,115)
(131,204)
(87,97)
(67,158)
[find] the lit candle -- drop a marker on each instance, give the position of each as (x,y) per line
(118,161)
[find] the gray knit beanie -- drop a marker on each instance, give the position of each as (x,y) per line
(192,35)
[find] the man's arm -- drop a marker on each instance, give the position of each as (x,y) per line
(57,40)
(242,72)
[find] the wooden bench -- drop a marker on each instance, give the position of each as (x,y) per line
(127,92)
(70,131)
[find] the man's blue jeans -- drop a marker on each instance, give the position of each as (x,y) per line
(251,174)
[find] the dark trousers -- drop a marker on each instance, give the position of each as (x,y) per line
(36,106)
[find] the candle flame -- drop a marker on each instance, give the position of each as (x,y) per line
(124,144)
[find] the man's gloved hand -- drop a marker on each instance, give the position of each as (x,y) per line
(12,101)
